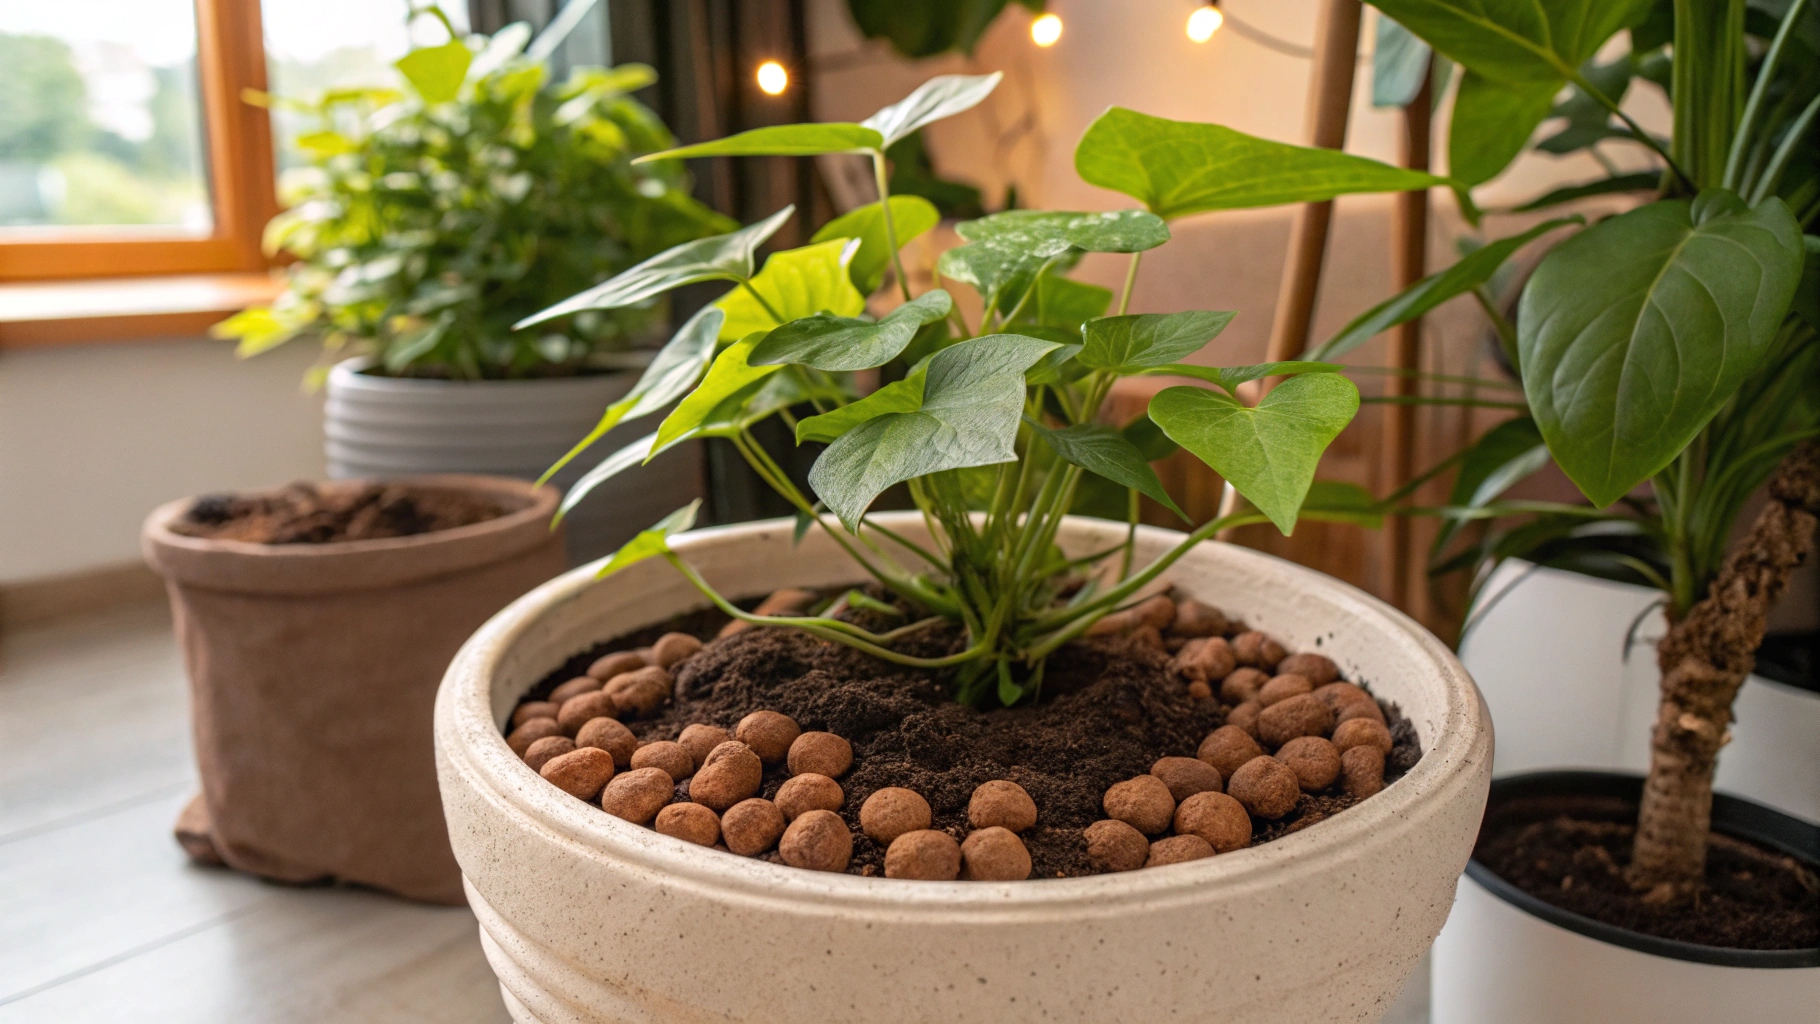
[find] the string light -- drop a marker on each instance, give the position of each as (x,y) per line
(1204,22)
(1045,30)
(772,78)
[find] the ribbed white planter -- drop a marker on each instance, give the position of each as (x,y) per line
(1507,957)
(391,426)
(587,918)
(1549,657)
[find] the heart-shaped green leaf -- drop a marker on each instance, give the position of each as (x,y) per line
(910,217)
(1058,367)
(795,283)
(672,372)
(939,97)
(1517,41)
(1636,331)
(999,273)
(1044,233)
(651,542)
(730,373)
(1469,273)
(436,72)
(1230,377)
(1100,449)
(1491,123)
(898,396)
(1179,167)
(1268,452)
(718,258)
(847,343)
(1128,344)
(780,140)
(973,396)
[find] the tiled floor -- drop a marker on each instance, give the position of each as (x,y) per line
(102,918)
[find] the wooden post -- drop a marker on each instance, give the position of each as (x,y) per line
(1329,104)
(1409,261)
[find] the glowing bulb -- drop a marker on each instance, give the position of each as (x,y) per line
(1045,30)
(772,78)
(1204,22)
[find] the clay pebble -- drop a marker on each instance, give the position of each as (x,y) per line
(578,711)
(580,773)
(533,709)
(539,753)
(610,735)
(1217,818)
(1143,803)
(994,855)
(637,795)
(892,811)
(1313,760)
(689,822)
(752,826)
(1362,771)
(1301,715)
(808,792)
(1316,668)
(1186,776)
(1242,685)
(672,648)
(731,773)
(1113,845)
(1259,650)
(701,739)
(1192,618)
(1362,732)
(1204,660)
(1176,850)
(1228,747)
(1266,787)
(817,841)
(573,688)
(521,738)
(925,855)
(786,601)
(670,756)
(619,663)
(1245,718)
(819,753)
(640,692)
(1283,686)
(1001,803)
(769,734)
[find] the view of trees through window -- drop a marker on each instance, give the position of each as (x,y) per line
(100,121)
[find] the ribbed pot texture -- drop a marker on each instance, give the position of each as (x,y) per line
(378,426)
(587,918)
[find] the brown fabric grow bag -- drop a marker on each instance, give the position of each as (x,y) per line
(313,669)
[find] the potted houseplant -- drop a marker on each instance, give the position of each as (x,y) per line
(1671,347)
(971,625)
(430,221)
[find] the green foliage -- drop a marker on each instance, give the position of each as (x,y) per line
(828,342)
(910,216)
(445,218)
(924,28)
(654,541)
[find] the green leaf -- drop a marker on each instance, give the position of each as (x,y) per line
(1491,123)
(1064,304)
(1633,333)
(1149,439)
(939,97)
(1127,344)
(436,72)
(1335,501)
(795,283)
(928,27)
(1807,297)
(1399,65)
(1268,452)
(973,397)
(1469,273)
(672,372)
(1100,449)
(780,140)
(1045,233)
(1642,182)
(1058,367)
(999,273)
(1497,461)
(1230,377)
(846,343)
(730,373)
(1179,167)
(1516,41)
(652,542)
(910,216)
(634,454)
(718,258)
(898,396)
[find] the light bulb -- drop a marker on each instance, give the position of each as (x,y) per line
(772,78)
(1204,22)
(1045,30)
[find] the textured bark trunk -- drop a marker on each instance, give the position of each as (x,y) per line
(1704,659)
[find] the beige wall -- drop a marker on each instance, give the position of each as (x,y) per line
(92,437)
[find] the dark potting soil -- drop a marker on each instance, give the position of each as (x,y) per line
(306,514)
(1571,851)
(1108,711)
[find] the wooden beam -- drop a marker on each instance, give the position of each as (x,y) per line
(1409,264)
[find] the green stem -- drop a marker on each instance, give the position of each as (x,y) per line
(1136,583)
(1772,175)
(884,204)
(769,311)
(1574,76)
(1772,62)
(1130,282)
(1131,525)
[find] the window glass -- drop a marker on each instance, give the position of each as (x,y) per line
(100,116)
(313,46)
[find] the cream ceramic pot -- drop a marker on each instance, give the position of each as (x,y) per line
(587,918)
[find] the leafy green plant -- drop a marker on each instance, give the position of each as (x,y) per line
(994,426)
(430,223)
(1668,355)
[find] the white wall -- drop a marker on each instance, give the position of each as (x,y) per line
(92,437)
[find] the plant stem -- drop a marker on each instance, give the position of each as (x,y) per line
(884,204)
(1130,282)
(1772,62)
(1636,129)
(771,312)
(1772,175)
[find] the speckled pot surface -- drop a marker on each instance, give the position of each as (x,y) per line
(587,918)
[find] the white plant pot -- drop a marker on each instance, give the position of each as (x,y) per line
(1506,957)
(587,918)
(1550,657)
(392,426)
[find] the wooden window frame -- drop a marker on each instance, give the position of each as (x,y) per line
(230,58)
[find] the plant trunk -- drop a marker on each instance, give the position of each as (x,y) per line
(1704,659)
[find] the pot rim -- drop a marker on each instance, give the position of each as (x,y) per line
(350,374)
(1455,762)
(1732,815)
